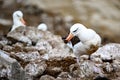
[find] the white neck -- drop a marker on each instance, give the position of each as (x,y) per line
(16,23)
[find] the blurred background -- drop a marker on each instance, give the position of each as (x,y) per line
(101,15)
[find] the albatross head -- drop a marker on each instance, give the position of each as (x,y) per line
(75,30)
(17,20)
(42,27)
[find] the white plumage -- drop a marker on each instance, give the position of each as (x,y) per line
(89,40)
(42,27)
(17,20)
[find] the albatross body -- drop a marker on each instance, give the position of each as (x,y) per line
(17,20)
(89,40)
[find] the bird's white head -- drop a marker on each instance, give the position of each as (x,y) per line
(75,30)
(18,17)
(18,20)
(42,27)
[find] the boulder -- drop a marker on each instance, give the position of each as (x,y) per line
(109,52)
(36,68)
(47,77)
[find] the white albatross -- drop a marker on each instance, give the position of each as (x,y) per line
(18,20)
(89,40)
(42,26)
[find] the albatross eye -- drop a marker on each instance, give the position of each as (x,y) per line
(75,30)
(17,15)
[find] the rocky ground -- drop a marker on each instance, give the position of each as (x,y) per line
(42,56)
(39,56)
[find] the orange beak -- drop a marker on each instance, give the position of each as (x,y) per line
(22,20)
(70,36)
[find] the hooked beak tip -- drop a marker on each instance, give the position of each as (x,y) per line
(70,36)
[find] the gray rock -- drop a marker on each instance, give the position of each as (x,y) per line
(51,44)
(90,69)
(47,77)
(116,78)
(31,48)
(18,44)
(108,52)
(116,65)
(54,70)
(3,71)
(59,49)
(64,75)
(7,48)
(74,70)
(43,46)
(27,57)
(3,42)
(19,35)
(36,68)
(108,67)
(27,34)
(59,53)
(34,34)
(14,70)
